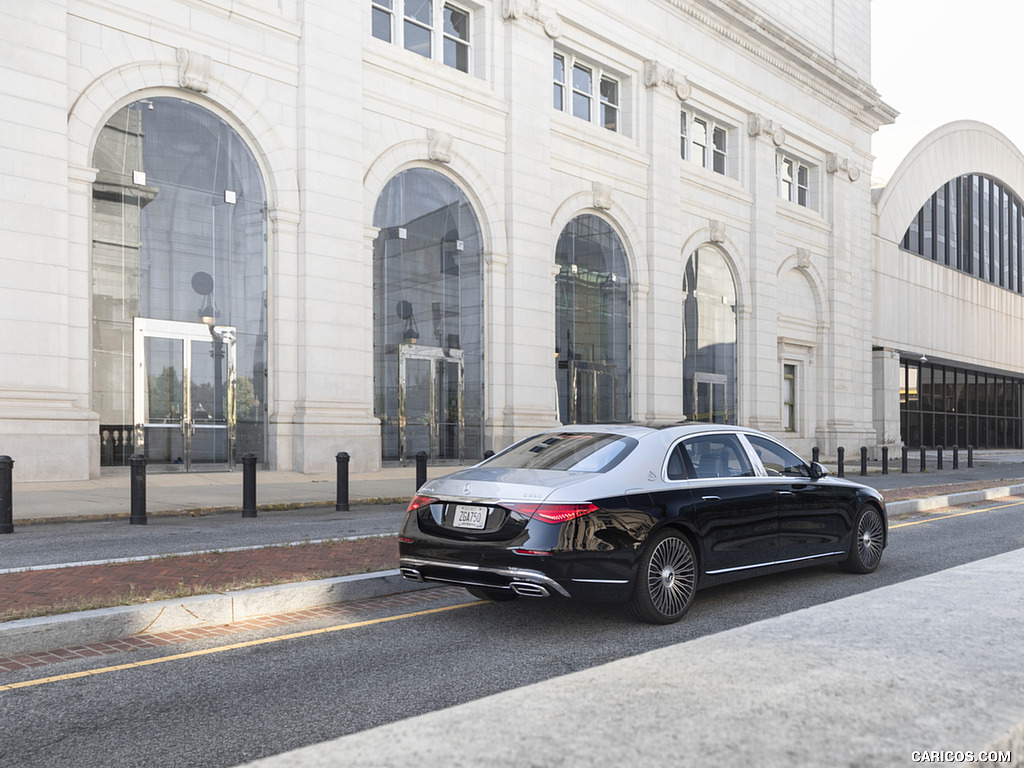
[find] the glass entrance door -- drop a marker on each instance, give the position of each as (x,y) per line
(591,392)
(430,403)
(184,386)
(710,396)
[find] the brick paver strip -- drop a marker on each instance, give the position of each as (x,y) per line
(28,590)
(340,611)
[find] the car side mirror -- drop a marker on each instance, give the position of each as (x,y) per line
(818,470)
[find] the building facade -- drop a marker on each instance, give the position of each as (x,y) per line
(297,227)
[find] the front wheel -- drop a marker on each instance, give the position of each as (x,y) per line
(666,579)
(868,540)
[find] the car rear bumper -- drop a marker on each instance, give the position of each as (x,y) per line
(522,581)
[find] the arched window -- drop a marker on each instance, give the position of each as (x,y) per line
(592,323)
(709,338)
(179,287)
(975,224)
(428,319)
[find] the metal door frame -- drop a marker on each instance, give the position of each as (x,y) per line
(436,356)
(712,379)
(187,333)
(596,370)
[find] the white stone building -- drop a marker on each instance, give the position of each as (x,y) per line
(298,227)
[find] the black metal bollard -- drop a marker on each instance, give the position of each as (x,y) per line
(863,461)
(815,454)
(138,514)
(956,457)
(341,503)
(938,456)
(421,469)
(970,457)
(885,459)
(249,485)
(841,452)
(6,495)
(904,451)
(924,460)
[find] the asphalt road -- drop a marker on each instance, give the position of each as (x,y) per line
(235,705)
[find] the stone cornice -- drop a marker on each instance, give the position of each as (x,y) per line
(762,38)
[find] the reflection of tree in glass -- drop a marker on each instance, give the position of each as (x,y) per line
(247,405)
(165,391)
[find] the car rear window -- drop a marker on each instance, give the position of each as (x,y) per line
(567,452)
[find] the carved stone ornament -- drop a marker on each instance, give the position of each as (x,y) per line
(602,196)
(656,74)
(803,258)
(760,126)
(193,70)
(717,231)
(836,164)
(440,148)
(531,9)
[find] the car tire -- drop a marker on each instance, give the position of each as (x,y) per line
(492,593)
(867,541)
(666,579)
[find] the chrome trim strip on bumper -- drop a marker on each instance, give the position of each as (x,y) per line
(773,562)
(514,574)
(603,581)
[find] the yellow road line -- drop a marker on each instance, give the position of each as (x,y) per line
(232,647)
(958,514)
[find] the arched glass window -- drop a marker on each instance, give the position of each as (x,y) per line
(179,235)
(428,319)
(592,323)
(709,338)
(975,224)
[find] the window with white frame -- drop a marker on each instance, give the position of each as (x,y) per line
(432,28)
(789,398)
(586,91)
(794,177)
(704,141)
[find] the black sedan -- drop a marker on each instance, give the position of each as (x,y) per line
(638,514)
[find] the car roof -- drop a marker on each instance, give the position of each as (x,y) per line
(641,429)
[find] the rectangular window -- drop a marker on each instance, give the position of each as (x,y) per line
(559,78)
(433,29)
(704,142)
(720,151)
(383,14)
(683,133)
(789,398)
(586,91)
(456,38)
(794,180)
(582,91)
(418,26)
(609,104)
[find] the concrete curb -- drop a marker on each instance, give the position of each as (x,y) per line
(84,627)
(928,503)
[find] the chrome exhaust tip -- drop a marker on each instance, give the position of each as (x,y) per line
(412,574)
(527,589)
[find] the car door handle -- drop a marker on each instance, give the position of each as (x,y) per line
(711,498)
(784,493)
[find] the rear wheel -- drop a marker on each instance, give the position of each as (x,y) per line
(868,540)
(492,593)
(666,579)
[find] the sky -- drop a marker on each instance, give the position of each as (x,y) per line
(936,61)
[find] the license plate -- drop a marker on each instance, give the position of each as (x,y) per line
(467,516)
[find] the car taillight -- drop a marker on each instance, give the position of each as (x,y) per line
(420,501)
(551,513)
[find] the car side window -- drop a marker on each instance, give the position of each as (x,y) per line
(717,456)
(676,463)
(778,461)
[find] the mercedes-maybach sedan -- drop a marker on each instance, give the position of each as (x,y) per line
(638,514)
